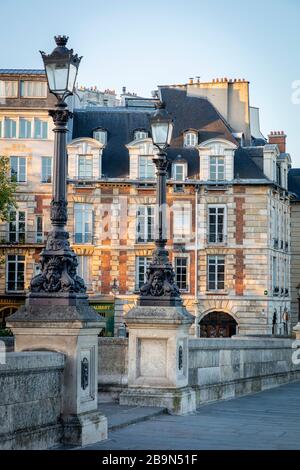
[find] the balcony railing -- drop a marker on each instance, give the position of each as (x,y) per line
(22,238)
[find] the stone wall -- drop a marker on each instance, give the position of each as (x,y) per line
(112,367)
(218,368)
(227,368)
(30,400)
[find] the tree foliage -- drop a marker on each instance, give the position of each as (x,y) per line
(7,190)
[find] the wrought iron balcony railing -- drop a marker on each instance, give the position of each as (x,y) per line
(22,238)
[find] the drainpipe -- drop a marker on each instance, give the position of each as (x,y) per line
(197,189)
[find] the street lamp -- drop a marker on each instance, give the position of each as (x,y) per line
(160,288)
(58,261)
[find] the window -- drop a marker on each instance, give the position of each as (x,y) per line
(182,222)
(39,229)
(15,273)
(100,135)
(145,224)
(83,223)
(217,168)
(24,128)
(33,89)
(16,224)
(138,135)
(216,272)
(190,139)
(18,169)
(274,275)
(10,128)
(181,273)
(84,270)
(142,262)
(46,170)
(146,167)
(40,129)
(179,171)
(85,166)
(8,89)
(216,224)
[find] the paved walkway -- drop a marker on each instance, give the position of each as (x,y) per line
(267,420)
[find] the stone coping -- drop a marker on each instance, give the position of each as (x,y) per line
(241,343)
(18,362)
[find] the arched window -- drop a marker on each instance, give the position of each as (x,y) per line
(190,139)
(140,134)
(100,134)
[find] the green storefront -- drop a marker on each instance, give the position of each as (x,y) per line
(106,310)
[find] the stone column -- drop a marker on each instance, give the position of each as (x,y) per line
(158,359)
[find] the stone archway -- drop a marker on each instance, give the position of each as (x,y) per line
(217,324)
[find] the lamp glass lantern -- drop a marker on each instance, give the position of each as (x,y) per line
(161,127)
(61,68)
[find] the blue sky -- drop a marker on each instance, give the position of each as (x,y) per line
(141,44)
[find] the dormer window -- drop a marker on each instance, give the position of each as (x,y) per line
(179,171)
(140,134)
(190,139)
(216,168)
(100,135)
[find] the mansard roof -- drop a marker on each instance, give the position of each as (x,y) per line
(188,113)
(294,182)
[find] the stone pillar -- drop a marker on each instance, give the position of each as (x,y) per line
(158,359)
(66,323)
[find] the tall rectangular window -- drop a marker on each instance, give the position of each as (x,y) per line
(216,272)
(217,168)
(182,222)
(145,224)
(33,89)
(18,169)
(10,128)
(274,275)
(17,224)
(46,170)
(181,273)
(40,129)
(179,171)
(146,167)
(24,128)
(216,224)
(142,263)
(8,89)
(15,273)
(85,166)
(39,228)
(84,270)
(83,223)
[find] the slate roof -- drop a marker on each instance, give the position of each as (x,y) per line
(294,182)
(188,113)
(22,71)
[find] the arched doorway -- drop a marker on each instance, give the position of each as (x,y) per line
(218,325)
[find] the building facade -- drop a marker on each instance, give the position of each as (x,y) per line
(228,210)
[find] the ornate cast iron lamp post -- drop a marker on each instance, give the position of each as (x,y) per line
(160,288)
(58,260)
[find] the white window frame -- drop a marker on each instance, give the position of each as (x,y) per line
(18,169)
(24,85)
(15,120)
(146,262)
(216,264)
(3,95)
(8,263)
(45,158)
(84,270)
(144,213)
(18,222)
(224,233)
(39,234)
(148,165)
(218,166)
(28,120)
(101,132)
(86,236)
(187,258)
(85,157)
(43,121)
(190,139)
(182,230)
(174,168)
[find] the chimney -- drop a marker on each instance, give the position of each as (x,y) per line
(124,90)
(191,81)
(279,138)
